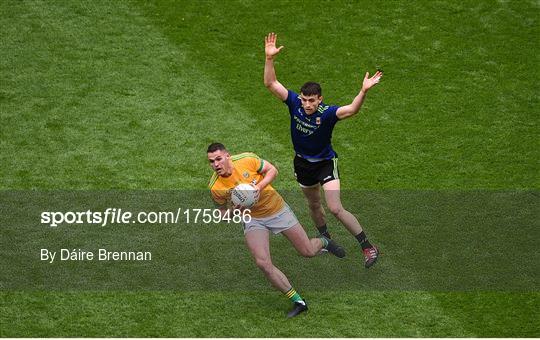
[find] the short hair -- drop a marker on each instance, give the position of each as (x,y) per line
(311,88)
(215,147)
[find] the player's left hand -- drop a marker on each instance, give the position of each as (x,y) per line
(370,82)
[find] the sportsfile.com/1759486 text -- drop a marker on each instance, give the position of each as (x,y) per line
(119,216)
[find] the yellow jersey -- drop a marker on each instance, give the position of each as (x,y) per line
(246,169)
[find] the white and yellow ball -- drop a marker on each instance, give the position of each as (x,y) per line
(244,196)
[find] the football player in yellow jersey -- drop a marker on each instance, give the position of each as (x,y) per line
(270,214)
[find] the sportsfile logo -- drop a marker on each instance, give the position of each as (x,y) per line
(120,216)
(109,216)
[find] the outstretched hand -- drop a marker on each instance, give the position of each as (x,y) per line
(270,48)
(370,82)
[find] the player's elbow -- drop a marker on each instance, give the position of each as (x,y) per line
(269,84)
(274,171)
(274,86)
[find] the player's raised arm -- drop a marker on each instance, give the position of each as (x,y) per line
(270,80)
(353,108)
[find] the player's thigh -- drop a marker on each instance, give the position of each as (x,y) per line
(313,195)
(299,239)
(332,194)
(258,243)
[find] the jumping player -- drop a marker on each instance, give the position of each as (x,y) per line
(315,163)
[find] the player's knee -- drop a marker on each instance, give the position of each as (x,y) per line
(335,209)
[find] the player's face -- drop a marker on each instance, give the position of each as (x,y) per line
(219,162)
(310,103)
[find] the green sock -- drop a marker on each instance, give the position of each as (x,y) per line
(294,296)
(324,242)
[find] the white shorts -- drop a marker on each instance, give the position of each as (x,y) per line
(281,221)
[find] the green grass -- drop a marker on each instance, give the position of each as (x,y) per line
(258,314)
(441,165)
(143,88)
(431,241)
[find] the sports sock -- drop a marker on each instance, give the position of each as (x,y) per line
(324,241)
(294,296)
(362,239)
(324,231)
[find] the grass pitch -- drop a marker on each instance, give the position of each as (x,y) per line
(441,165)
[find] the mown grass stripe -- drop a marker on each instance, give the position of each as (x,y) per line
(122,107)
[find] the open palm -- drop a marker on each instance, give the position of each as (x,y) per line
(270,45)
(370,82)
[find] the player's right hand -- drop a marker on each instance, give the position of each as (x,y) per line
(257,193)
(270,48)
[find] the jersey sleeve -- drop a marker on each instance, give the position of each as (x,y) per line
(259,164)
(254,162)
(218,197)
(331,114)
(292,98)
